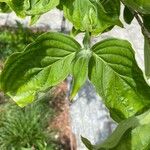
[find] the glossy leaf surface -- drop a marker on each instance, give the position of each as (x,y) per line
(43,64)
(92,15)
(128,16)
(118,79)
(31,7)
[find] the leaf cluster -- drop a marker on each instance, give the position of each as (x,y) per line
(110,65)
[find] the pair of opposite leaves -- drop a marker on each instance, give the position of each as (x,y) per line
(110,65)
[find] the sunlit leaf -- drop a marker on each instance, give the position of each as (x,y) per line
(118,79)
(128,16)
(92,15)
(43,64)
(80,70)
(142,6)
(31,7)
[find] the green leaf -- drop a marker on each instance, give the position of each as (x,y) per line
(117,78)
(132,134)
(87,143)
(92,15)
(43,64)
(34,19)
(80,70)
(38,7)
(147,56)
(142,6)
(128,16)
(4,7)
(146,21)
(31,7)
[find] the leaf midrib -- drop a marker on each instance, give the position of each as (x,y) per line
(119,75)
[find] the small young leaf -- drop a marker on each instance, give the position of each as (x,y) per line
(43,64)
(4,8)
(128,16)
(80,70)
(146,21)
(117,78)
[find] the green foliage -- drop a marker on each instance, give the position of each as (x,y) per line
(110,64)
(146,22)
(15,40)
(53,52)
(30,7)
(80,62)
(142,6)
(26,128)
(91,15)
(118,79)
(132,133)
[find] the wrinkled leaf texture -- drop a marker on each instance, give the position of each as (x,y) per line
(43,64)
(31,7)
(94,16)
(117,78)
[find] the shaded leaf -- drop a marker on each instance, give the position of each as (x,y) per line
(146,21)
(132,134)
(128,16)
(147,56)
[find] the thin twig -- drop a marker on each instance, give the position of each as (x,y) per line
(144,30)
(139,20)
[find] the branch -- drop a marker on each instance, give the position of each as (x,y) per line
(144,30)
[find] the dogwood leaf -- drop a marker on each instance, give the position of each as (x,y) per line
(142,6)
(132,133)
(43,64)
(92,15)
(80,70)
(118,79)
(31,7)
